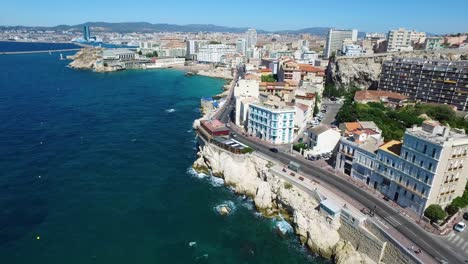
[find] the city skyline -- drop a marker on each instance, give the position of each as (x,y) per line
(379,18)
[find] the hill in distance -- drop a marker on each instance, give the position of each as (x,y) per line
(145,27)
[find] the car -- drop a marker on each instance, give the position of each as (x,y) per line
(465,216)
(460,227)
(274,150)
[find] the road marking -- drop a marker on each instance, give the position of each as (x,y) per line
(392,221)
(456,239)
(464,246)
(460,242)
(451,236)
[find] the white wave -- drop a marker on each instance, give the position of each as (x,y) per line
(194,173)
(229,205)
(216,182)
(283,226)
(172,110)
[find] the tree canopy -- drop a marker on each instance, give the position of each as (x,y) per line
(435,213)
(268,78)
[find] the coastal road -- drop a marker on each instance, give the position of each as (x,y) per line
(436,247)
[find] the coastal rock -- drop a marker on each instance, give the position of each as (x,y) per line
(346,253)
(323,245)
(364,71)
(263,196)
(248,174)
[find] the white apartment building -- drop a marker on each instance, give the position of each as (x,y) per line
(251,37)
(241,46)
(402,39)
(335,40)
(247,88)
(193,45)
(214,52)
(272,124)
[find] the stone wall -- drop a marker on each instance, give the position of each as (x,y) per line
(363,241)
(394,252)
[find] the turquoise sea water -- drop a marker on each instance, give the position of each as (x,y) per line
(97,167)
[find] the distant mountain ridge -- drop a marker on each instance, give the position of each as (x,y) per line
(127,27)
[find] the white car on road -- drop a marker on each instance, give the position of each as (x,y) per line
(460,227)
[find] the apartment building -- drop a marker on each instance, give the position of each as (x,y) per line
(214,53)
(402,39)
(335,40)
(435,81)
(426,168)
(357,149)
(274,124)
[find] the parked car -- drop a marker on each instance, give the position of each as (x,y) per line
(460,227)
(465,216)
(274,150)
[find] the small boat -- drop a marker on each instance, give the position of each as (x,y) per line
(189,74)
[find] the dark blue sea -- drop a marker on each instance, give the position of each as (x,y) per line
(12,46)
(95,168)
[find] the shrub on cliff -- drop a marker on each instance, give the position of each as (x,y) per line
(435,213)
(247,150)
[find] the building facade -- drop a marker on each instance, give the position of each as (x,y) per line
(444,82)
(274,125)
(402,39)
(335,40)
(214,53)
(427,168)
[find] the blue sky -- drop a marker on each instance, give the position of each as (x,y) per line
(430,15)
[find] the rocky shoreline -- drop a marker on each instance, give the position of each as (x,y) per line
(250,175)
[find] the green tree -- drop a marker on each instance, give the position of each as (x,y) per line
(214,42)
(140,53)
(268,78)
(435,213)
(153,54)
(451,209)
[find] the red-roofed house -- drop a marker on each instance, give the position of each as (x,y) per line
(213,128)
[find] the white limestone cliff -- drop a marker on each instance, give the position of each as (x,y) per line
(248,174)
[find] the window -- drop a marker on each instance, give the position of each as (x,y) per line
(421,163)
(413,159)
(426,179)
(412,197)
(406,155)
(425,149)
(415,186)
(430,166)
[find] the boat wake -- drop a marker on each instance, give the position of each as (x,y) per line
(171,110)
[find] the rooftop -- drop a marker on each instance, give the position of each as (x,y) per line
(434,132)
(214,125)
(393,147)
(377,95)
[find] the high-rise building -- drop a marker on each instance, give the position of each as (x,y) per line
(86,33)
(443,82)
(251,37)
(335,40)
(241,46)
(402,39)
(193,46)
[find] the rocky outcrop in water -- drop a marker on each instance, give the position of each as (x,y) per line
(249,175)
(364,71)
(87,59)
